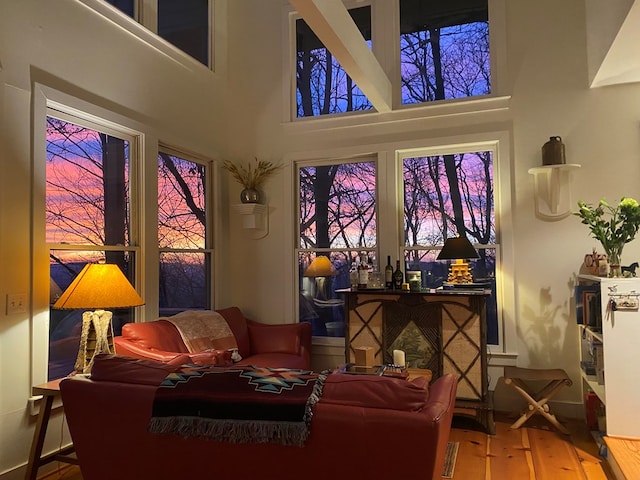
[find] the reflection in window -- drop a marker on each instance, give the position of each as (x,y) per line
(337,220)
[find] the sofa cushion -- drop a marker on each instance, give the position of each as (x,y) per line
(372,391)
(273,339)
(117,368)
(238,325)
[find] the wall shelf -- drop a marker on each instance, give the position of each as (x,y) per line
(255,218)
(552,190)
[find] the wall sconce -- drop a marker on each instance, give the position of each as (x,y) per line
(97,286)
(255,218)
(458,249)
(551,181)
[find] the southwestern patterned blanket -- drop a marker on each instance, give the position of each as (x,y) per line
(239,404)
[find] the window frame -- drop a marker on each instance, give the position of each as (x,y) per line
(390,216)
(144,213)
(145,26)
(401,155)
(208,249)
(297,165)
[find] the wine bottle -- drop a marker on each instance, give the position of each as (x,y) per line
(363,273)
(388,274)
(398,277)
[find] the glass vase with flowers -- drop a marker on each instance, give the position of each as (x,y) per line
(612,226)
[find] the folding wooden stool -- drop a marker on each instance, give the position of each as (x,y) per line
(538,401)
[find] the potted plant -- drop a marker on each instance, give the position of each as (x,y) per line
(615,231)
(251,176)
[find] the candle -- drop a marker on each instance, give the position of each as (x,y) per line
(398,358)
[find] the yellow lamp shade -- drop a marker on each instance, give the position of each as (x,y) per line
(99,286)
(321,267)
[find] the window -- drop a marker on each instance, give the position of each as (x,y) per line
(183,23)
(445,195)
(444,50)
(183,234)
(337,221)
(322,85)
(88,218)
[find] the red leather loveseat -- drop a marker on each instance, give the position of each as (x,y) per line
(362,427)
(268,345)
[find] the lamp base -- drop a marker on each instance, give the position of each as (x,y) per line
(96,337)
(460,273)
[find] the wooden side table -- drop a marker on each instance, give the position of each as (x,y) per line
(49,391)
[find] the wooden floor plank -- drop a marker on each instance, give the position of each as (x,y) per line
(473,448)
(508,454)
(554,457)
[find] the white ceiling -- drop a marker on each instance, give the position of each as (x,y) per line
(621,63)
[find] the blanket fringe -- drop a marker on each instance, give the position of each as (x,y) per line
(232,431)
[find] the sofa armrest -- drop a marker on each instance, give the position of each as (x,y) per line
(126,347)
(292,338)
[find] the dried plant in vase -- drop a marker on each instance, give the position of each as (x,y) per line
(251,177)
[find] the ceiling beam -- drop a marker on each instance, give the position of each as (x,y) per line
(330,21)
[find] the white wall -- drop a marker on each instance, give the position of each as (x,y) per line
(66,49)
(237,113)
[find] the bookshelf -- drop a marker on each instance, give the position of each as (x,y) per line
(618,336)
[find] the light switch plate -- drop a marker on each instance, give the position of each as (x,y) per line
(16,303)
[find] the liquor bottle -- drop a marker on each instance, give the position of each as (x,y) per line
(388,274)
(353,275)
(398,277)
(363,273)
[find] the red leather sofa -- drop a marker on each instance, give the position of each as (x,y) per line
(363,426)
(268,345)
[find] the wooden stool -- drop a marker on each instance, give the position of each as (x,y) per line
(538,402)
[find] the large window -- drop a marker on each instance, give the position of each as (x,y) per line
(183,23)
(322,85)
(443,193)
(443,55)
(446,195)
(88,219)
(183,236)
(95,212)
(337,230)
(444,50)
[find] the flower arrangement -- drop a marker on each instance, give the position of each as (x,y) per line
(612,226)
(251,177)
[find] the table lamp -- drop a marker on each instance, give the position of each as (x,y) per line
(98,286)
(458,249)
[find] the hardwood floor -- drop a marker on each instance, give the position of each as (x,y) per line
(534,452)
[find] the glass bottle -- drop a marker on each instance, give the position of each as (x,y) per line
(388,274)
(398,277)
(363,273)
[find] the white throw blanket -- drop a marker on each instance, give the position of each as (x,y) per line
(203,330)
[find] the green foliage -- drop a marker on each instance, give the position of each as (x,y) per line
(612,226)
